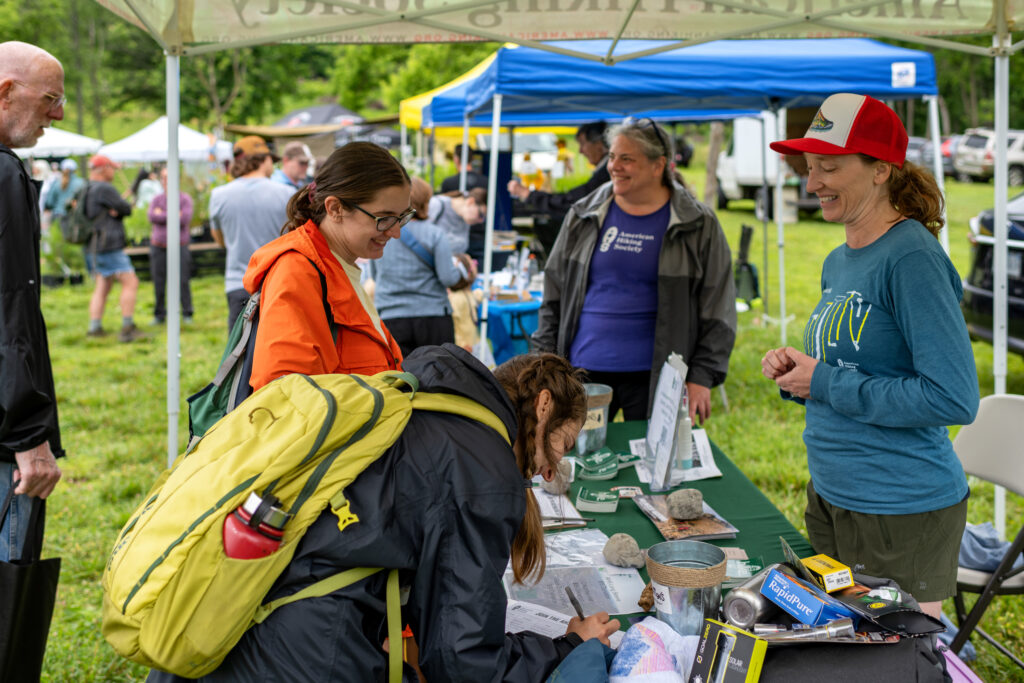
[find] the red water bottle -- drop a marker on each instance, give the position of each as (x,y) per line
(255,529)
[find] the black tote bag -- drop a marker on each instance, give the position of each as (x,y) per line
(28,589)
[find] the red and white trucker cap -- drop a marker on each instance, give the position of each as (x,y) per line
(852,124)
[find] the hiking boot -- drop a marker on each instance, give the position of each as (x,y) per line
(130,333)
(96,333)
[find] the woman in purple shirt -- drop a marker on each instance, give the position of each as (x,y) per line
(640,269)
(158,253)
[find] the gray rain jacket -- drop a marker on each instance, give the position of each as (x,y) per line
(696,294)
(442,505)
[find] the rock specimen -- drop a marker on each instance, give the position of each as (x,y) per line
(622,550)
(685,504)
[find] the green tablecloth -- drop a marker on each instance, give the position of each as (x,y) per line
(732,495)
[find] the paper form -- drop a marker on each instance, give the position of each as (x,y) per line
(525,616)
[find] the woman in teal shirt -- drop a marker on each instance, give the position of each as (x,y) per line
(887,360)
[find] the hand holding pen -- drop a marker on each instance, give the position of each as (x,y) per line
(598,625)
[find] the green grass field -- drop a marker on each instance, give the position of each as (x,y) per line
(113,409)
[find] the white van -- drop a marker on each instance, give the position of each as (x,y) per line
(743,169)
(541,146)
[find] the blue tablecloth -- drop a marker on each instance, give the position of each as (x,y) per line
(509,326)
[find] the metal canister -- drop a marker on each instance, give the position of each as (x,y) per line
(744,605)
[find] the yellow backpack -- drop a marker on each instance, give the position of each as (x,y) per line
(173,600)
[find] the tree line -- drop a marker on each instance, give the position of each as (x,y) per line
(112,65)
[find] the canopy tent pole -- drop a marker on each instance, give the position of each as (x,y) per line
(933,123)
(492,192)
(431,146)
(420,164)
(404,144)
(465,154)
(173,255)
(999,229)
(780,126)
(764,217)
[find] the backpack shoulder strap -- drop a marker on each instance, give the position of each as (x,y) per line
(460,405)
(415,247)
(327,306)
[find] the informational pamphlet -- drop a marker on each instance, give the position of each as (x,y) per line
(708,526)
(526,616)
(615,590)
(556,511)
(662,427)
(702,460)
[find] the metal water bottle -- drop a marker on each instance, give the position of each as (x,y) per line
(254,529)
(744,606)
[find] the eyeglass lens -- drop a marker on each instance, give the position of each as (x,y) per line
(56,101)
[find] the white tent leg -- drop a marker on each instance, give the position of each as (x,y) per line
(940,179)
(404,144)
(999,291)
(765,218)
(173,255)
(465,154)
(780,123)
(492,194)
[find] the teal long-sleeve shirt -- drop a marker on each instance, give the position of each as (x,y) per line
(896,367)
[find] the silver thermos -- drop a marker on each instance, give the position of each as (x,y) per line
(744,606)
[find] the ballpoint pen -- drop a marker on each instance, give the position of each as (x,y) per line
(575,603)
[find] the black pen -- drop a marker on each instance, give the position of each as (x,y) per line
(575,603)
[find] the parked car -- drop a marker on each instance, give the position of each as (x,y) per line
(977,301)
(948,151)
(975,155)
(915,149)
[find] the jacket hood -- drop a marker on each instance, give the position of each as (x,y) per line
(453,370)
(686,211)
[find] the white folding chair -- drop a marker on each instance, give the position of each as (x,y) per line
(992,448)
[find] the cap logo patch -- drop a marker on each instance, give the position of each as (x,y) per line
(820,123)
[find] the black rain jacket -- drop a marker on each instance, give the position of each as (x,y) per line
(442,505)
(28,401)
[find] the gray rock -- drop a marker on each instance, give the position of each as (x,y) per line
(622,550)
(685,504)
(560,483)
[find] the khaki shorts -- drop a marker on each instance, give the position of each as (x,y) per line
(918,551)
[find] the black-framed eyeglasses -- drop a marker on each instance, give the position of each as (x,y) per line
(56,101)
(648,122)
(385,223)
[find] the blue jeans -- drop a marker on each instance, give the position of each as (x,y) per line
(15,525)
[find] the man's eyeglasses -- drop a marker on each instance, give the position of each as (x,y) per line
(647,122)
(56,101)
(385,223)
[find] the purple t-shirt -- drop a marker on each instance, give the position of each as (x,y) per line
(616,327)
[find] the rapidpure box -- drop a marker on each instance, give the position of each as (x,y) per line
(801,602)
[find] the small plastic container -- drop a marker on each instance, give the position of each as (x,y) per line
(595,429)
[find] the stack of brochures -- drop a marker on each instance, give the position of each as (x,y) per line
(596,501)
(706,527)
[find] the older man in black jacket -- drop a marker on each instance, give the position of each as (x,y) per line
(31,97)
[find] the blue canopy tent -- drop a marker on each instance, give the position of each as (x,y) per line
(721,75)
(724,74)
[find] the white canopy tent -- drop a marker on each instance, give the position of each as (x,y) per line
(60,143)
(186,27)
(150,144)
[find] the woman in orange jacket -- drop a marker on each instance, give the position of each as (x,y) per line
(358,200)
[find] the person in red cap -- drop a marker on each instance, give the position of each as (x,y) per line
(104,254)
(887,362)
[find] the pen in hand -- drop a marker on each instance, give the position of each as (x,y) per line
(575,603)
